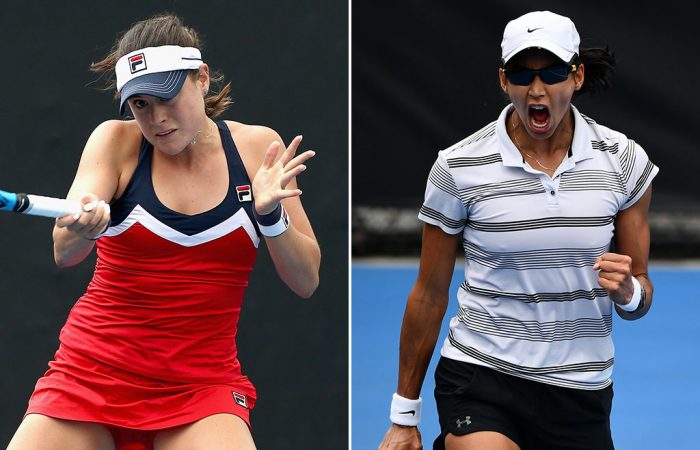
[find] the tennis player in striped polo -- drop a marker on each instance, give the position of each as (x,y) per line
(551,210)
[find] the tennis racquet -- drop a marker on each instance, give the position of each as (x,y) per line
(37,205)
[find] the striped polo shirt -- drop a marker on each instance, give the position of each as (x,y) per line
(530,304)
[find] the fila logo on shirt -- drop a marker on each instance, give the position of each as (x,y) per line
(240,399)
(244,193)
(137,63)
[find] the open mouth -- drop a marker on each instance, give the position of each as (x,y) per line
(165,133)
(539,116)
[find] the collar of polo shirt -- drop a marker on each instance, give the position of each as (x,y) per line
(581,147)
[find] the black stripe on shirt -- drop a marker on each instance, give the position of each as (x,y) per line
(592,180)
(443,180)
(641,181)
(511,188)
(474,161)
(603,146)
(588,120)
(627,158)
(549,258)
(538,297)
(546,222)
(443,219)
(593,366)
(486,131)
(532,330)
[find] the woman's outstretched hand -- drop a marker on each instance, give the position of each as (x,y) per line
(271,180)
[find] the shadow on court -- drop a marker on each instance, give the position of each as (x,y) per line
(656,361)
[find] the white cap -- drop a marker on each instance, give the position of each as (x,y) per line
(541,29)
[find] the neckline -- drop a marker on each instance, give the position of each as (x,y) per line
(220,205)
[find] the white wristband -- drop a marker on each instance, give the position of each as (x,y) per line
(405,411)
(273,224)
(636,297)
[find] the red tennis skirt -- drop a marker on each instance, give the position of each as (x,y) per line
(133,407)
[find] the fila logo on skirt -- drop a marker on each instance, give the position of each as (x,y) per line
(240,399)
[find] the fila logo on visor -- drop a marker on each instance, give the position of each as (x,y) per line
(137,63)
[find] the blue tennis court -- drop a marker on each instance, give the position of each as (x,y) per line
(657,364)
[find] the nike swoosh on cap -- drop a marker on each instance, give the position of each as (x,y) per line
(530,30)
(411,412)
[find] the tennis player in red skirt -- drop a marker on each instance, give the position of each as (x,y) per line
(177,205)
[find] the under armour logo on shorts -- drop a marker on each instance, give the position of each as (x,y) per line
(467,421)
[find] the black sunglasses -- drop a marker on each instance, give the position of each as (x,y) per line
(549,75)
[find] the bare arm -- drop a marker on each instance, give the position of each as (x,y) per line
(295,253)
(632,258)
(96,179)
(425,308)
(422,318)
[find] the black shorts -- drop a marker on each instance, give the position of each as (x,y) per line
(534,415)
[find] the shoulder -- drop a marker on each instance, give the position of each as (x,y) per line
(252,141)
(473,142)
(113,135)
(117,129)
(114,141)
(603,135)
(256,136)
(109,154)
(477,149)
(624,152)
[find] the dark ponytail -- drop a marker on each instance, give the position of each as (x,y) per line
(599,66)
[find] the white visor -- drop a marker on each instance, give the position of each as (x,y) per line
(157,71)
(154,60)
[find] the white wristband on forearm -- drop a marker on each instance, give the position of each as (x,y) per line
(405,411)
(636,297)
(274,223)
